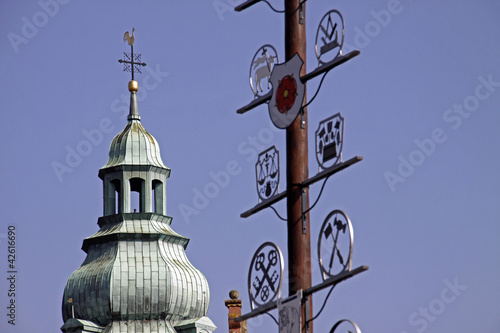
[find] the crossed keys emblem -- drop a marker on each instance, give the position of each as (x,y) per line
(335,244)
(265,275)
(261,289)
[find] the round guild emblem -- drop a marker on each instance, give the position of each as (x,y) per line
(335,244)
(261,68)
(329,37)
(268,173)
(329,141)
(265,275)
(345,325)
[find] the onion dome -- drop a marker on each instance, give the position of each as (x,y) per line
(134,145)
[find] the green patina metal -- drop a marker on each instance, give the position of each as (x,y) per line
(136,277)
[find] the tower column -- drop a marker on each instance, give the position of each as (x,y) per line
(109,194)
(148,194)
(159,197)
(125,195)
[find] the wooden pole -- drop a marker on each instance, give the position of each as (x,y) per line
(299,240)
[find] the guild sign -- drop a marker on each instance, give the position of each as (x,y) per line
(289,313)
(345,325)
(329,37)
(268,173)
(329,141)
(265,275)
(335,244)
(261,68)
(288,92)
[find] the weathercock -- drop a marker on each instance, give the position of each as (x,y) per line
(127,38)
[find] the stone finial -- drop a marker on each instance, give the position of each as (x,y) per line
(234,294)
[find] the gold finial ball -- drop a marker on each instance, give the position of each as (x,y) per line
(234,294)
(133,86)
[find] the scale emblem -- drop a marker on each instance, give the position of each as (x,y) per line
(288,92)
(329,141)
(265,275)
(268,173)
(335,244)
(261,68)
(329,37)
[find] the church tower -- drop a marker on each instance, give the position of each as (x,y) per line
(136,276)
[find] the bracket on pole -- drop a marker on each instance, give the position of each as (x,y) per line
(305,299)
(333,280)
(245,5)
(322,175)
(301,14)
(304,210)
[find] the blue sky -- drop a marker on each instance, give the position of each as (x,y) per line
(421,105)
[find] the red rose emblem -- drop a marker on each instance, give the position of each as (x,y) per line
(286,93)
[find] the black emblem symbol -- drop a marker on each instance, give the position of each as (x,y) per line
(267,172)
(329,37)
(329,141)
(264,278)
(335,244)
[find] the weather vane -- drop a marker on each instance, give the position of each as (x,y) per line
(132,61)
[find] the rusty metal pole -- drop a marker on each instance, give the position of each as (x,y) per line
(299,240)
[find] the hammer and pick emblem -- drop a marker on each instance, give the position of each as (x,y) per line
(335,244)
